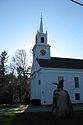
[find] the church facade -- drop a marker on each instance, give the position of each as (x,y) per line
(47,70)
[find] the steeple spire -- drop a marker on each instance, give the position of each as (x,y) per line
(41,26)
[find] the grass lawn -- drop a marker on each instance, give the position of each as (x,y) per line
(9,105)
(43,118)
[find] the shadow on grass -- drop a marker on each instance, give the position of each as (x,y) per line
(43,118)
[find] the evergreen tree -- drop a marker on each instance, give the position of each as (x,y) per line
(3,60)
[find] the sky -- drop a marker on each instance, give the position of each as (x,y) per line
(63,20)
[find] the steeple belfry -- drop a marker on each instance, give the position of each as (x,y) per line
(41,26)
(41,49)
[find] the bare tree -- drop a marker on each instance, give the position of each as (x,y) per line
(20,62)
(20,66)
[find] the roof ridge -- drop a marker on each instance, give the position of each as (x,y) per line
(66,58)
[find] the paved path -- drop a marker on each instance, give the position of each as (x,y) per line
(19,109)
(49,108)
(27,108)
(38,109)
(78,107)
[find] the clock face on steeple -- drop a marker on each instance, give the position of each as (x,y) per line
(43,52)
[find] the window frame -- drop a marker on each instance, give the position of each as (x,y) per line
(76,82)
(77,96)
(42,39)
(39,82)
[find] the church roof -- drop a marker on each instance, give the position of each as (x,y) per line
(56,62)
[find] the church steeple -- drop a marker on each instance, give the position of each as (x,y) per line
(41,26)
(41,49)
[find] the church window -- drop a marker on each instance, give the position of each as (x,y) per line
(39,82)
(42,39)
(44,101)
(77,96)
(34,54)
(76,80)
(36,39)
(42,92)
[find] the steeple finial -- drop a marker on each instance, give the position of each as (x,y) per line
(41,26)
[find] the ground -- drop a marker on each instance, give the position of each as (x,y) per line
(40,118)
(26,115)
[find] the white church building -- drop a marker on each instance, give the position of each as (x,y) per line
(47,70)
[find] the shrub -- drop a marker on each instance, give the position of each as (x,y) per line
(36,102)
(27,100)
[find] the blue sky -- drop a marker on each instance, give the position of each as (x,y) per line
(63,20)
